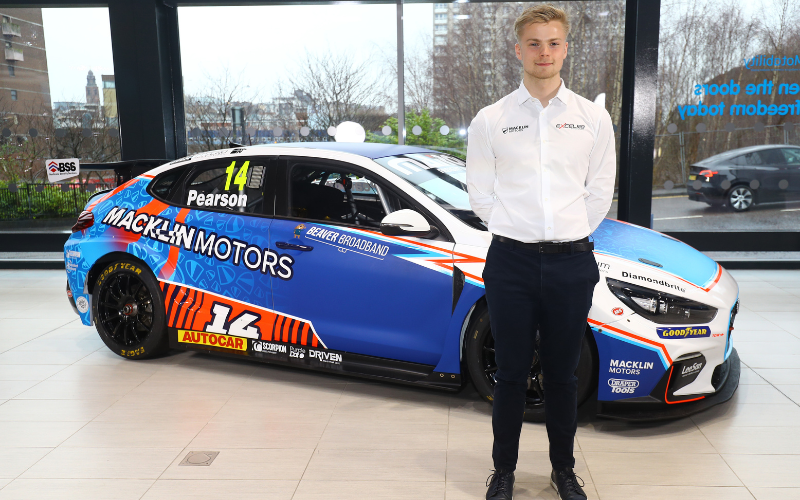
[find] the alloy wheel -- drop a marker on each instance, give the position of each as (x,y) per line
(534,396)
(741,198)
(125,309)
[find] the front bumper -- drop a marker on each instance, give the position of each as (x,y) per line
(729,373)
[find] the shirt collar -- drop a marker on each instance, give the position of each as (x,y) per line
(562,95)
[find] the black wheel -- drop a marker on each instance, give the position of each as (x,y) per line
(129,312)
(740,198)
(481,363)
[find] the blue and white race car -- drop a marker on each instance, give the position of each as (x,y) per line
(365,259)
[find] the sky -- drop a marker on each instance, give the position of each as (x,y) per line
(258,45)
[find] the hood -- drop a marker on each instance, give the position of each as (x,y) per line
(633,243)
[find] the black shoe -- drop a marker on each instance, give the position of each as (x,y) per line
(501,485)
(565,482)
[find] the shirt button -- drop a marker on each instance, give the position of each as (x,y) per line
(549,228)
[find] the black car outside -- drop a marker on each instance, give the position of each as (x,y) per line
(742,177)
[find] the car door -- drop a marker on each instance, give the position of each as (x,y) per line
(218,284)
(359,290)
(792,170)
(772,172)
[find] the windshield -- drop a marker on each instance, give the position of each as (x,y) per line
(440,177)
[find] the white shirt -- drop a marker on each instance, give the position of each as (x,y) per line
(541,174)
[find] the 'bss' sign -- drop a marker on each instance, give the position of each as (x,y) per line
(62,169)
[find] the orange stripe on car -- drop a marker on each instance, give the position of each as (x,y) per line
(633,336)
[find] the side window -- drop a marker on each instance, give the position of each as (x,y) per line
(162,186)
(772,156)
(748,159)
(792,156)
(235,185)
(334,195)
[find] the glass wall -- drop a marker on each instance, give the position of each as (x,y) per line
(57,101)
(290,73)
(726,152)
(296,73)
(460,58)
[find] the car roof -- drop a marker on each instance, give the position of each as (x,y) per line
(740,151)
(366,149)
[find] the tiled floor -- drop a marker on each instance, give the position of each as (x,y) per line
(77,421)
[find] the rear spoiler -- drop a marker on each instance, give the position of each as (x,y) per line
(124,170)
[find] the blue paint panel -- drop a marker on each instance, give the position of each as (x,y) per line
(634,242)
(627,369)
(372,303)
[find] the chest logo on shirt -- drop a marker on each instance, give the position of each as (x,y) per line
(570,125)
(518,128)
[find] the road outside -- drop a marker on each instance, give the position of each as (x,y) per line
(675,212)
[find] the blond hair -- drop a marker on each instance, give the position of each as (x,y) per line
(541,14)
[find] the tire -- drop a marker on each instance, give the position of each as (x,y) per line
(479,353)
(128,311)
(740,198)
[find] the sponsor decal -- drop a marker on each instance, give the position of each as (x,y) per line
(626,274)
(62,169)
(348,243)
(718,335)
(269,347)
(297,352)
(691,369)
(617,311)
(216,199)
(210,154)
(298,230)
(212,339)
(622,386)
(629,367)
(570,126)
(181,160)
(603,267)
(72,254)
(202,241)
(237,151)
(240,326)
(684,332)
(119,265)
(130,354)
(517,128)
(82,304)
(325,356)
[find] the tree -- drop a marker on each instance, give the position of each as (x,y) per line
(35,135)
(341,89)
(430,135)
(477,65)
(208,114)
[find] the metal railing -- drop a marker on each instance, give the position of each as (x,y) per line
(41,201)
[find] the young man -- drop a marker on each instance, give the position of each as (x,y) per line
(540,172)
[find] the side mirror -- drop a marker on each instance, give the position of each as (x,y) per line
(408,223)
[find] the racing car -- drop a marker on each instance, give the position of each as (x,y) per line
(271,253)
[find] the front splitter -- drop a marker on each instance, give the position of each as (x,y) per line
(650,412)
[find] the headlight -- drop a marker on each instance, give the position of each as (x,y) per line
(661,307)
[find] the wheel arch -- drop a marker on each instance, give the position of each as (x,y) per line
(97,267)
(481,305)
(476,310)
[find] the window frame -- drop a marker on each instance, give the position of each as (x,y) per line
(282,185)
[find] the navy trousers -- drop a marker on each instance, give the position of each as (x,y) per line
(526,291)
